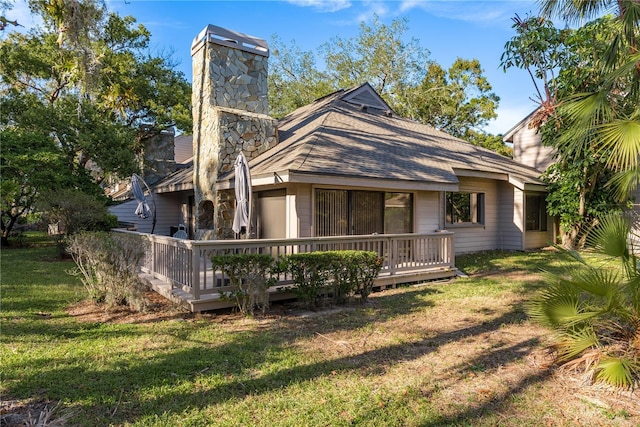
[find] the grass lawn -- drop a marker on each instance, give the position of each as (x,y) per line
(450,353)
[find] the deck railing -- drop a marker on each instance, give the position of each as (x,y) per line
(186,263)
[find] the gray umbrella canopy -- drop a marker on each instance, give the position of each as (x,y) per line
(243,194)
(143,210)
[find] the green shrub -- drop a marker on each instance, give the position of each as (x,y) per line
(251,275)
(594,309)
(340,274)
(107,264)
(74,211)
(310,273)
(355,273)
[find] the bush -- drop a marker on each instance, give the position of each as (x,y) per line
(354,273)
(107,264)
(594,309)
(341,273)
(251,275)
(74,211)
(310,273)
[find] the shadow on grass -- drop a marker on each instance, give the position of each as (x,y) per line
(551,260)
(119,390)
(250,363)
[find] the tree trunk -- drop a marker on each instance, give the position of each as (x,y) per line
(569,238)
(6,229)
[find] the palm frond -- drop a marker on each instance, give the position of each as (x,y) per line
(624,183)
(582,112)
(610,236)
(575,11)
(624,69)
(617,371)
(598,282)
(631,290)
(554,306)
(631,20)
(585,362)
(561,307)
(622,137)
(573,344)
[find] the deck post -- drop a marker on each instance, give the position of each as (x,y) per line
(393,255)
(195,279)
(154,262)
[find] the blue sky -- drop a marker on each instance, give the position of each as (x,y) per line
(448,29)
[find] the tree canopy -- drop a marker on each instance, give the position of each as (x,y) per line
(81,93)
(458,100)
(587,84)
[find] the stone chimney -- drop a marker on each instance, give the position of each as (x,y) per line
(230,114)
(158,158)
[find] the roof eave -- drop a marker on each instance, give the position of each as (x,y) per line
(288,176)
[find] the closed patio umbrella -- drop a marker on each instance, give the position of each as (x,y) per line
(143,210)
(243,194)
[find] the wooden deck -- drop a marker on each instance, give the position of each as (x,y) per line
(181,269)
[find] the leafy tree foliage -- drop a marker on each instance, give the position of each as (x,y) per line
(539,48)
(377,55)
(576,110)
(457,100)
(83,93)
(293,79)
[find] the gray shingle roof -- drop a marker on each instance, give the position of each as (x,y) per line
(333,137)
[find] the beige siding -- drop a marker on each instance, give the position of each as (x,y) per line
(511,217)
(271,214)
(169,213)
(528,149)
(473,238)
(427,213)
(300,215)
(537,239)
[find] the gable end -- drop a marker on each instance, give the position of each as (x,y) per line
(366,96)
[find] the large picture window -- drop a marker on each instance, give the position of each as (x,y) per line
(536,213)
(464,208)
(350,212)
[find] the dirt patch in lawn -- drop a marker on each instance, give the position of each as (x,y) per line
(158,309)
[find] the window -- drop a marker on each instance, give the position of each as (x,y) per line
(464,208)
(536,213)
(347,212)
(398,213)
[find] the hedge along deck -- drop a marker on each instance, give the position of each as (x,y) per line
(181,269)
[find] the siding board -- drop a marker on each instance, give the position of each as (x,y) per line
(168,213)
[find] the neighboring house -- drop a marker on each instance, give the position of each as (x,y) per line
(342,165)
(527,145)
(528,150)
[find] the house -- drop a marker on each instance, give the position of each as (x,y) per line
(529,150)
(345,164)
(527,144)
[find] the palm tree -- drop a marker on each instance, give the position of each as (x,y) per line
(575,11)
(595,309)
(609,117)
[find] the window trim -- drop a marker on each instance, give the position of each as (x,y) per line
(543,220)
(349,190)
(476,210)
